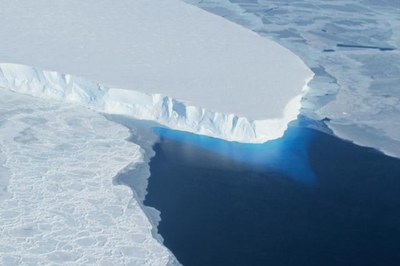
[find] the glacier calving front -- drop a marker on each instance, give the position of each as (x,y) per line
(244,87)
(155,107)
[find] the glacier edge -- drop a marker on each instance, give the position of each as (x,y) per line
(162,109)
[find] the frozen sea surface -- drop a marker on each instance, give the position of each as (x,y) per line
(351,46)
(61,206)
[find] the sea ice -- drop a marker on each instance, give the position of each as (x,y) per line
(63,207)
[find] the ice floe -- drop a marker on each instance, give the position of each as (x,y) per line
(62,206)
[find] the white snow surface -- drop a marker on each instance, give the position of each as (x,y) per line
(159,47)
(62,207)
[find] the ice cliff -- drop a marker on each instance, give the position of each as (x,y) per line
(156,107)
(186,68)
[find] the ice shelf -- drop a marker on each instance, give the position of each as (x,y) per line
(165,110)
(249,85)
(353,49)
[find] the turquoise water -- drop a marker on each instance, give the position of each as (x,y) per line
(306,199)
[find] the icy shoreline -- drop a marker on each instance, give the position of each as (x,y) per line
(136,175)
(61,205)
(154,107)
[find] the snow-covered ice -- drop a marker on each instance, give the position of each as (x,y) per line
(62,206)
(156,107)
(352,47)
(159,47)
(182,67)
(165,61)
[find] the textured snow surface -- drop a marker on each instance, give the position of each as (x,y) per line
(155,107)
(351,46)
(153,46)
(61,205)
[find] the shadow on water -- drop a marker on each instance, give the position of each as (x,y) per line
(306,199)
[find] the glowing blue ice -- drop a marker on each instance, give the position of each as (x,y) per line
(287,155)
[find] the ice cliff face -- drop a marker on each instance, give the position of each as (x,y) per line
(221,79)
(156,107)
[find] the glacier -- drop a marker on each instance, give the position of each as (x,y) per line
(181,67)
(164,61)
(156,47)
(353,49)
(139,105)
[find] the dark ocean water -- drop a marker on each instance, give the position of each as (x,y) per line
(306,199)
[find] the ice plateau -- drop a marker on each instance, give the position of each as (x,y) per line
(221,79)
